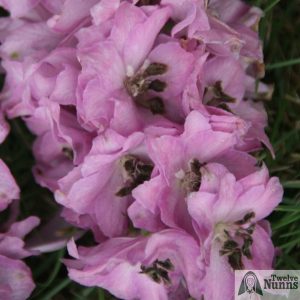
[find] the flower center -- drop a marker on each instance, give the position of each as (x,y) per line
(68,152)
(217,97)
(135,172)
(143,81)
(236,240)
(148,2)
(159,271)
(190,180)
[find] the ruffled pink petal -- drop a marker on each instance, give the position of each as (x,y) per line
(9,189)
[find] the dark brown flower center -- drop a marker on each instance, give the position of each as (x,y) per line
(136,172)
(155,105)
(159,271)
(148,2)
(68,152)
(155,69)
(217,96)
(143,81)
(191,180)
(234,250)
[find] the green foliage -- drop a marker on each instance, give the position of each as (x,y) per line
(280,33)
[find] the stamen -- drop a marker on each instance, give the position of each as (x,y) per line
(140,83)
(192,178)
(231,248)
(246,218)
(136,173)
(148,2)
(220,94)
(157,85)
(158,271)
(223,106)
(230,244)
(155,69)
(194,182)
(156,106)
(124,191)
(246,247)
(235,260)
(218,97)
(68,153)
(167,264)
(195,166)
(136,85)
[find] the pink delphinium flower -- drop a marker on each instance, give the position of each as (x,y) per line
(101,186)
(4,128)
(53,77)
(19,8)
(227,215)
(15,277)
(9,190)
(143,72)
(162,266)
(203,140)
(54,160)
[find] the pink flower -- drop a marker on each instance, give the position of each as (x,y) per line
(11,242)
(101,186)
(104,10)
(99,190)
(225,27)
(22,38)
(226,90)
(226,215)
(54,160)
(67,143)
(9,189)
(15,277)
(162,266)
(235,11)
(4,128)
(19,8)
(73,14)
(52,77)
(204,140)
(61,121)
(244,20)
(255,113)
(144,74)
(189,15)
(224,80)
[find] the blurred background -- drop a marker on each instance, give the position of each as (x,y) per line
(279,30)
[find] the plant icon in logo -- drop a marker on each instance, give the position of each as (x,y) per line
(250,284)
